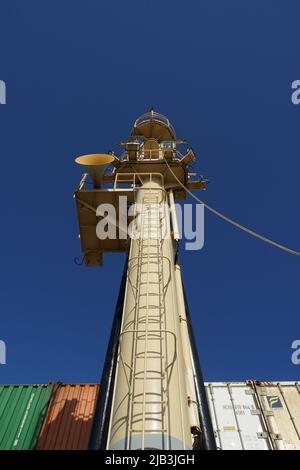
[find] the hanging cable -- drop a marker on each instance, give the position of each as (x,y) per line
(78,262)
(232,222)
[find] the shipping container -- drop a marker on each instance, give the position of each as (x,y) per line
(67,424)
(237,419)
(280,404)
(255,415)
(245,415)
(22,410)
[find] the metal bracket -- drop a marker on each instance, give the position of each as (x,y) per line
(256,412)
(262,435)
(268,413)
(276,437)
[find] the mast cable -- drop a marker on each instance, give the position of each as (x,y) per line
(232,222)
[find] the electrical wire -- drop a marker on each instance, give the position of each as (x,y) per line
(232,222)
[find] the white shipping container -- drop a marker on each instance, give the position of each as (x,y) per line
(236,416)
(255,415)
(280,403)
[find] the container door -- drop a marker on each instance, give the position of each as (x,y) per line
(237,421)
(282,399)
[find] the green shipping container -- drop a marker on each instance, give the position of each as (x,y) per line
(22,410)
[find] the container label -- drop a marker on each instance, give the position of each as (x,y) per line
(274,401)
(16,441)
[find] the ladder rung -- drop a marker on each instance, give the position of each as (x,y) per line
(150,378)
(150,294)
(151,338)
(152,246)
(147,430)
(149,357)
(151,318)
(152,272)
(150,402)
(151,306)
(149,283)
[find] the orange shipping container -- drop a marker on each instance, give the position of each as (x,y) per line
(68,421)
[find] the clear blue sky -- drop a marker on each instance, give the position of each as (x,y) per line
(78,73)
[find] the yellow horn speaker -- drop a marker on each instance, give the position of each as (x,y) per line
(95,164)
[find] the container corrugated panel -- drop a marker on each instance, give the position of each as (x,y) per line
(237,419)
(22,410)
(67,424)
(280,403)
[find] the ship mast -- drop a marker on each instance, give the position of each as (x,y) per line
(152,393)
